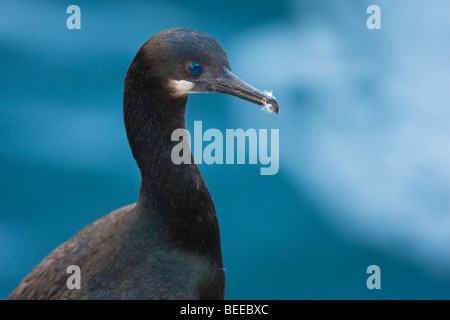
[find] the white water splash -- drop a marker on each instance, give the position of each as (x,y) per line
(269,107)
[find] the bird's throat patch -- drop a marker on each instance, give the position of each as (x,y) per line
(180,87)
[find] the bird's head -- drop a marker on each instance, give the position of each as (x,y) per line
(188,61)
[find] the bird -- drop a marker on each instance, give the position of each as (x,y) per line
(167,244)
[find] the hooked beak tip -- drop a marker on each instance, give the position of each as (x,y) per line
(269,102)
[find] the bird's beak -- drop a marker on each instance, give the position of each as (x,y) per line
(229,83)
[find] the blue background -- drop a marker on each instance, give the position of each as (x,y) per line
(364,139)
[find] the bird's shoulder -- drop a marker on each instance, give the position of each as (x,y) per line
(48,279)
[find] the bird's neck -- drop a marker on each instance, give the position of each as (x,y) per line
(150,119)
(175,196)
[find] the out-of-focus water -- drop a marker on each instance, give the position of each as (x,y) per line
(364,124)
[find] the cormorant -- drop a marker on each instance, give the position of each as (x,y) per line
(167,245)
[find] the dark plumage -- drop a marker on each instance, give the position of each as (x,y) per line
(167,245)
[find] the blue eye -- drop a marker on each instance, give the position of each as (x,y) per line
(195,67)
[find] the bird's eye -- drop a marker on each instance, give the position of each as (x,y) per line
(195,67)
